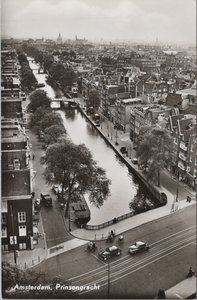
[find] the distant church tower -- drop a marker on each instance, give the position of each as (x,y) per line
(157,41)
(59,39)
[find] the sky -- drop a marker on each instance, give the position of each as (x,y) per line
(171,21)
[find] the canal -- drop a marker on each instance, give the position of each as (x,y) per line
(124,185)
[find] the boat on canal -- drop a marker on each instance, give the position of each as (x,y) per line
(80,209)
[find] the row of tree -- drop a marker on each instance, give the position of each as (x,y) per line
(28,80)
(154,152)
(72,165)
(59,75)
(43,119)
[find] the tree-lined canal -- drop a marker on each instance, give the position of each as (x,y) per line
(124,185)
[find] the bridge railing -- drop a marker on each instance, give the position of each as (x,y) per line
(108,223)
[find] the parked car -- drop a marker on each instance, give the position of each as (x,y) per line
(37,204)
(40,85)
(57,188)
(123,150)
(138,247)
(135,161)
(46,200)
(109,252)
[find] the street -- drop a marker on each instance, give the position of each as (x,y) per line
(53,221)
(172,241)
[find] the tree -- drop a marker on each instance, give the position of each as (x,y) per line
(68,78)
(74,168)
(49,119)
(13,277)
(154,151)
(38,98)
(36,118)
(52,133)
(64,76)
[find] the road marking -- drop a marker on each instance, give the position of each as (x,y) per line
(98,259)
(129,267)
(117,262)
(120,277)
(137,263)
(178,296)
(189,228)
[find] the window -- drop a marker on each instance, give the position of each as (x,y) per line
(3,231)
(22,230)
(22,217)
(16,164)
(22,246)
(3,218)
(4,247)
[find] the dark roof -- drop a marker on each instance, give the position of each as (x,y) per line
(173,99)
(15,183)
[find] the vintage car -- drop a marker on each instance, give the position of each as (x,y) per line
(138,247)
(109,252)
(46,200)
(37,204)
(135,161)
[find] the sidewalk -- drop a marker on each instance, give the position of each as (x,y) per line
(30,258)
(182,290)
(131,222)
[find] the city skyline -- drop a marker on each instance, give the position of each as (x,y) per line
(132,20)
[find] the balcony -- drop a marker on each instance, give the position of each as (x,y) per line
(181,166)
(183,157)
(183,146)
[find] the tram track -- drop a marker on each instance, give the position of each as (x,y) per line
(128,264)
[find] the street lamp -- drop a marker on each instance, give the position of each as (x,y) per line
(14,242)
(177,190)
(108,273)
(116,138)
(69,227)
(67,215)
(130,151)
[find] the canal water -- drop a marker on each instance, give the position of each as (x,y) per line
(124,185)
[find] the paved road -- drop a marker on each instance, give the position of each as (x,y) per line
(172,250)
(53,221)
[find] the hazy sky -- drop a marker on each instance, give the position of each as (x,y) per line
(169,20)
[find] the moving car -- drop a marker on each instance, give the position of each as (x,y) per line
(46,200)
(109,252)
(138,247)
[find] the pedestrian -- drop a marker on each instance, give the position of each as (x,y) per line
(188,199)
(112,233)
(191,272)
(33,156)
(29,156)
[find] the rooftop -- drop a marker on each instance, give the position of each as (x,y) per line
(191,91)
